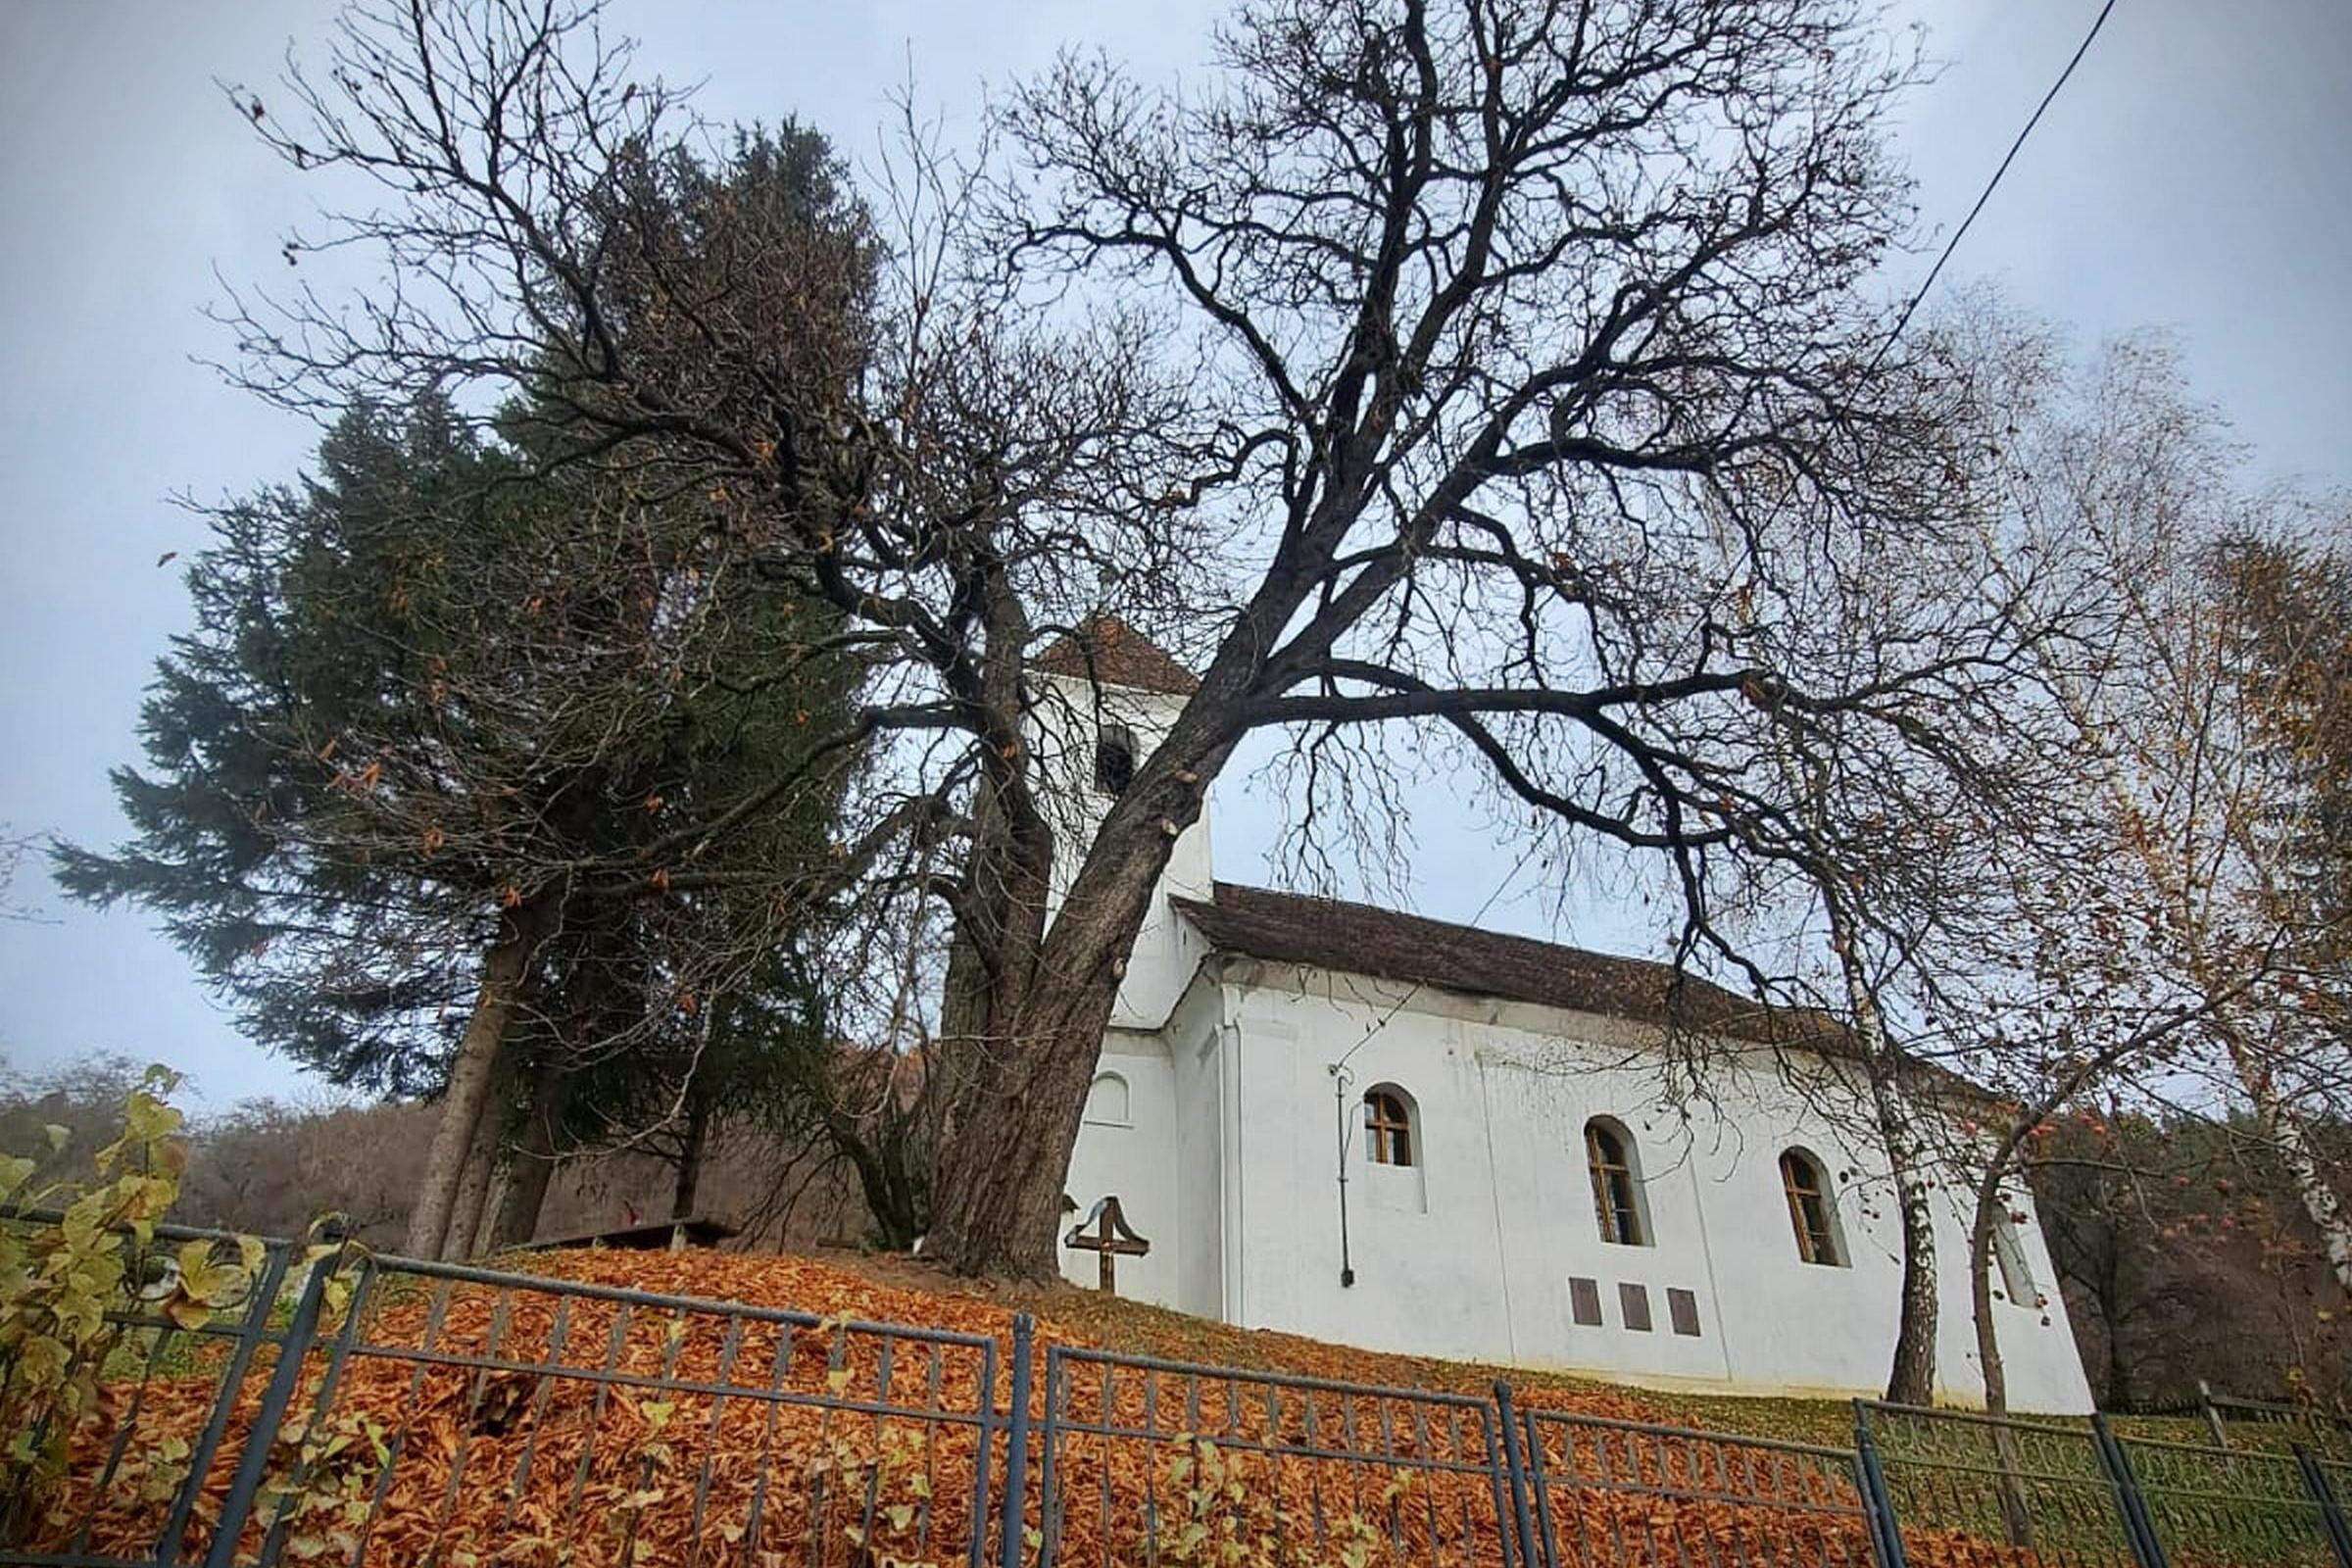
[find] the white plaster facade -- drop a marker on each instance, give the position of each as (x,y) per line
(1229,1098)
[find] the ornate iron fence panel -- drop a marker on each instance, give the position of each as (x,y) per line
(2324,1430)
(2211,1506)
(1622,1495)
(2331,1481)
(1146,1462)
(433,1414)
(587,1424)
(2042,1488)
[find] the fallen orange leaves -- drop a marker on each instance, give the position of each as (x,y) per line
(536,1424)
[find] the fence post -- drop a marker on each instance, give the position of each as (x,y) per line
(1878,1507)
(2139,1527)
(246,1485)
(2331,1509)
(2213,1414)
(256,1328)
(1515,1470)
(1014,1511)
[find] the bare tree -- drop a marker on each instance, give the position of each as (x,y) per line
(2216,736)
(2117,937)
(1497,374)
(1872,864)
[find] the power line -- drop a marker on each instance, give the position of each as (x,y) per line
(1339,1068)
(1415,989)
(1992,184)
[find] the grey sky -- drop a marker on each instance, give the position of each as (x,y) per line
(2191,177)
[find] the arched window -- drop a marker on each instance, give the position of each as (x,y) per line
(1812,1210)
(1389,1125)
(1106,1101)
(1616,1183)
(1114,758)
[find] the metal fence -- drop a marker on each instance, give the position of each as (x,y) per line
(2077,1494)
(2042,1486)
(2240,1507)
(424,1413)
(2266,1423)
(1162,1461)
(145,1480)
(370,1410)
(595,1425)
(1620,1494)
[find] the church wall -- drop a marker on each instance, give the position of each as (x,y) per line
(1783,1321)
(1165,1160)
(1127,1145)
(1197,1035)
(1422,1241)
(1470,1252)
(1538,1119)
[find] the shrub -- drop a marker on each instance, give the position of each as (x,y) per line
(71,1254)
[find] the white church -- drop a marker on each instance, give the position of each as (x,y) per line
(1384,1130)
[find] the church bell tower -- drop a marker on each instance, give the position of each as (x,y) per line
(1105,699)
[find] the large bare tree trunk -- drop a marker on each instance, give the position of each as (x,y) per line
(471,1078)
(994,1213)
(533,1166)
(472,1202)
(999,1182)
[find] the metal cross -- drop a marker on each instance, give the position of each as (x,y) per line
(1105,1233)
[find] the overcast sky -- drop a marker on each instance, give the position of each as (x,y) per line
(2191,177)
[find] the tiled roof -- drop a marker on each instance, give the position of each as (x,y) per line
(1106,651)
(1361,939)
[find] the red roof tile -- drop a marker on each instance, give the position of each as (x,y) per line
(1109,652)
(1329,934)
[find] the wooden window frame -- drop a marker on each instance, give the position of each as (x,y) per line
(1388,1127)
(1812,1208)
(1616,1184)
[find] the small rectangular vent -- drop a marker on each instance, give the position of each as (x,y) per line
(1583,1302)
(1634,1302)
(1682,1309)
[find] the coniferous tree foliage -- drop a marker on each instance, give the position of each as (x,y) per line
(415,782)
(297,764)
